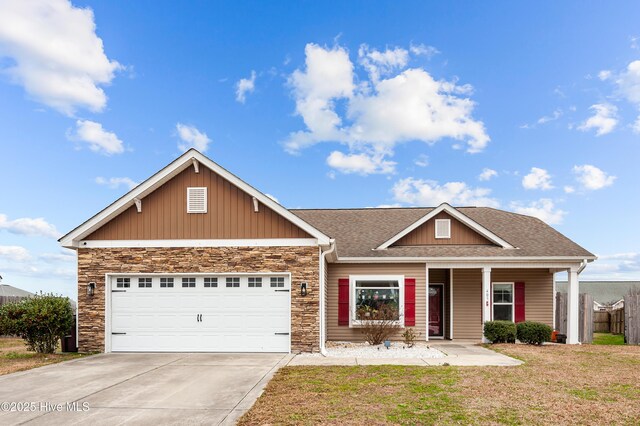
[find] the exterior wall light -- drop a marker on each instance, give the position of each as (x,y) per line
(91,288)
(303,289)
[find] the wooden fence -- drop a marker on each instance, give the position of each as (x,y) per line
(632,317)
(9,299)
(609,321)
(616,321)
(585,321)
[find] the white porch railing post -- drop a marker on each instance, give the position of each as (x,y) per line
(486,297)
(573,308)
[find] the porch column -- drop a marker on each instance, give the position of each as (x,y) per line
(573,309)
(486,297)
(426,275)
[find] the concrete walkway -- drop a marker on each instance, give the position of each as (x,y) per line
(145,389)
(460,354)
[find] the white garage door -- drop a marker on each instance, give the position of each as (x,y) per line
(203,313)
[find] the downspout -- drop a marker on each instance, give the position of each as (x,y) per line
(323,284)
(583,265)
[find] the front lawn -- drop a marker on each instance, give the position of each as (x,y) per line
(558,384)
(608,339)
(15,357)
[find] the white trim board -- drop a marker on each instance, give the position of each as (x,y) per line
(444,207)
(264,242)
(72,239)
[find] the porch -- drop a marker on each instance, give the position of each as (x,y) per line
(450,303)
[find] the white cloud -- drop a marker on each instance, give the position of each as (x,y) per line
(604,119)
(544,209)
(379,63)
(636,126)
(592,178)
(429,193)
(569,189)
(244,86)
(623,266)
(487,174)
(115,182)
(59,257)
(14,253)
(191,137)
(362,164)
(553,117)
(604,75)
(272,197)
(29,226)
(423,50)
(628,82)
(56,55)
(99,139)
(421,161)
(537,179)
(395,105)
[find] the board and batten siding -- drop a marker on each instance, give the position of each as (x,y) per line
(461,234)
(538,291)
(230,214)
(343,270)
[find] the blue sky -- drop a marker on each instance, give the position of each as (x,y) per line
(322,104)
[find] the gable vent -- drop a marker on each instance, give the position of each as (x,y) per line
(443,228)
(197,200)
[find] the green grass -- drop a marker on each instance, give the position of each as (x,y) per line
(608,339)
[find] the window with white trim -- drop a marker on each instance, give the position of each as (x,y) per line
(277,282)
(188,282)
(233,282)
(166,282)
(123,282)
(144,282)
(443,228)
(503,308)
(255,282)
(197,199)
(210,282)
(369,293)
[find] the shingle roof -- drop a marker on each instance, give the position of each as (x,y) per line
(9,290)
(359,231)
(602,291)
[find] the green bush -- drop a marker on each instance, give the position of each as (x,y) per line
(533,333)
(41,320)
(500,331)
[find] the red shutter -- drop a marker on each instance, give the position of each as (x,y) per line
(519,301)
(409,301)
(343,301)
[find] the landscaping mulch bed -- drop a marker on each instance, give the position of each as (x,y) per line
(15,357)
(558,384)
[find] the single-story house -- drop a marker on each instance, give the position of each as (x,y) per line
(607,295)
(196,259)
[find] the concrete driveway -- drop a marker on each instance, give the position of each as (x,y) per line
(139,389)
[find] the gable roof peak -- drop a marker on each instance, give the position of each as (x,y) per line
(455,213)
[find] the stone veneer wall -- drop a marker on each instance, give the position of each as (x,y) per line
(302,262)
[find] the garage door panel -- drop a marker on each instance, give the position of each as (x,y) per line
(200,319)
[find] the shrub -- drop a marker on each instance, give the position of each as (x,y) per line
(500,331)
(41,320)
(533,333)
(410,337)
(379,324)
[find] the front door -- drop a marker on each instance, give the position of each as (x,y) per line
(436,310)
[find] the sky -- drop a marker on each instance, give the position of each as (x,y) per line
(322,105)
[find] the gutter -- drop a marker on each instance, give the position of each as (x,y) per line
(583,265)
(323,283)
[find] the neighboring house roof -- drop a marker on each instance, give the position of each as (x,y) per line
(9,290)
(602,291)
(358,232)
(191,158)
